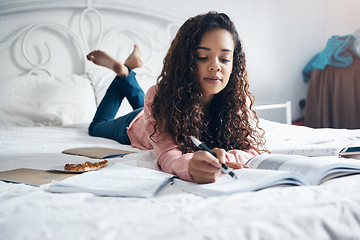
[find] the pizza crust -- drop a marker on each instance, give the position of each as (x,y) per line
(87,166)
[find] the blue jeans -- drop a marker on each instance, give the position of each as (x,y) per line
(103,124)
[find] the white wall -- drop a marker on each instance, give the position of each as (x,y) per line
(280,37)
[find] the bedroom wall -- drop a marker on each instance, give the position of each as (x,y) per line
(280,37)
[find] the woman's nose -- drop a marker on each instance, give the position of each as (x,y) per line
(215,67)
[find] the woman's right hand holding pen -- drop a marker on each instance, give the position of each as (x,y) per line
(204,167)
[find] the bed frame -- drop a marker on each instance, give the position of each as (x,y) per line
(86,31)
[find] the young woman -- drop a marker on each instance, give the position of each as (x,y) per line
(202,91)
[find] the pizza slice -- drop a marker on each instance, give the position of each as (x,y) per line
(87,166)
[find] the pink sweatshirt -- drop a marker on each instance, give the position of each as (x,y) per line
(170,158)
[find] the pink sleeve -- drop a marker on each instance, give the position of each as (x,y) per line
(170,158)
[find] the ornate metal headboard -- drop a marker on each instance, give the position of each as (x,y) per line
(55,36)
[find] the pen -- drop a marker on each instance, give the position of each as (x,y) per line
(225,168)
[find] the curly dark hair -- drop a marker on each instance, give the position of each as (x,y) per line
(177,106)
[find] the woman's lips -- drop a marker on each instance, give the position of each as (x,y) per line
(212,79)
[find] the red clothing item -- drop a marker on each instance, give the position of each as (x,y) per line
(170,158)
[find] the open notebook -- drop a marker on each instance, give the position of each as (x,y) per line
(119,180)
(319,150)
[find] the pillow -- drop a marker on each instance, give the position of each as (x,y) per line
(32,100)
(102,77)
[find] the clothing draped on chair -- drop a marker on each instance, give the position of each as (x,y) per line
(333,98)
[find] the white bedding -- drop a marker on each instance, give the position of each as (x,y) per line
(329,211)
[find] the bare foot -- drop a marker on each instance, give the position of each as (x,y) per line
(134,59)
(101,58)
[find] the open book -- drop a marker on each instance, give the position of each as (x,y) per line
(270,170)
(97,152)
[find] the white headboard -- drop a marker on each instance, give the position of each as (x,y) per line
(55,36)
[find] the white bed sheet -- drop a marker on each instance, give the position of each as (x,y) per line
(329,211)
(40,147)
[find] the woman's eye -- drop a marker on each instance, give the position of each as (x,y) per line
(201,58)
(225,60)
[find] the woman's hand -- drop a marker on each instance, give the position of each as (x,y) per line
(204,167)
(236,165)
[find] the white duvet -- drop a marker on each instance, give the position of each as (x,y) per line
(328,211)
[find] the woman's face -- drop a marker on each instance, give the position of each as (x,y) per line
(214,60)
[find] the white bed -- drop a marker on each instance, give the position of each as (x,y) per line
(34,136)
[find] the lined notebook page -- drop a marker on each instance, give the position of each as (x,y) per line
(123,181)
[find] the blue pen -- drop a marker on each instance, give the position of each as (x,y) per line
(225,168)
